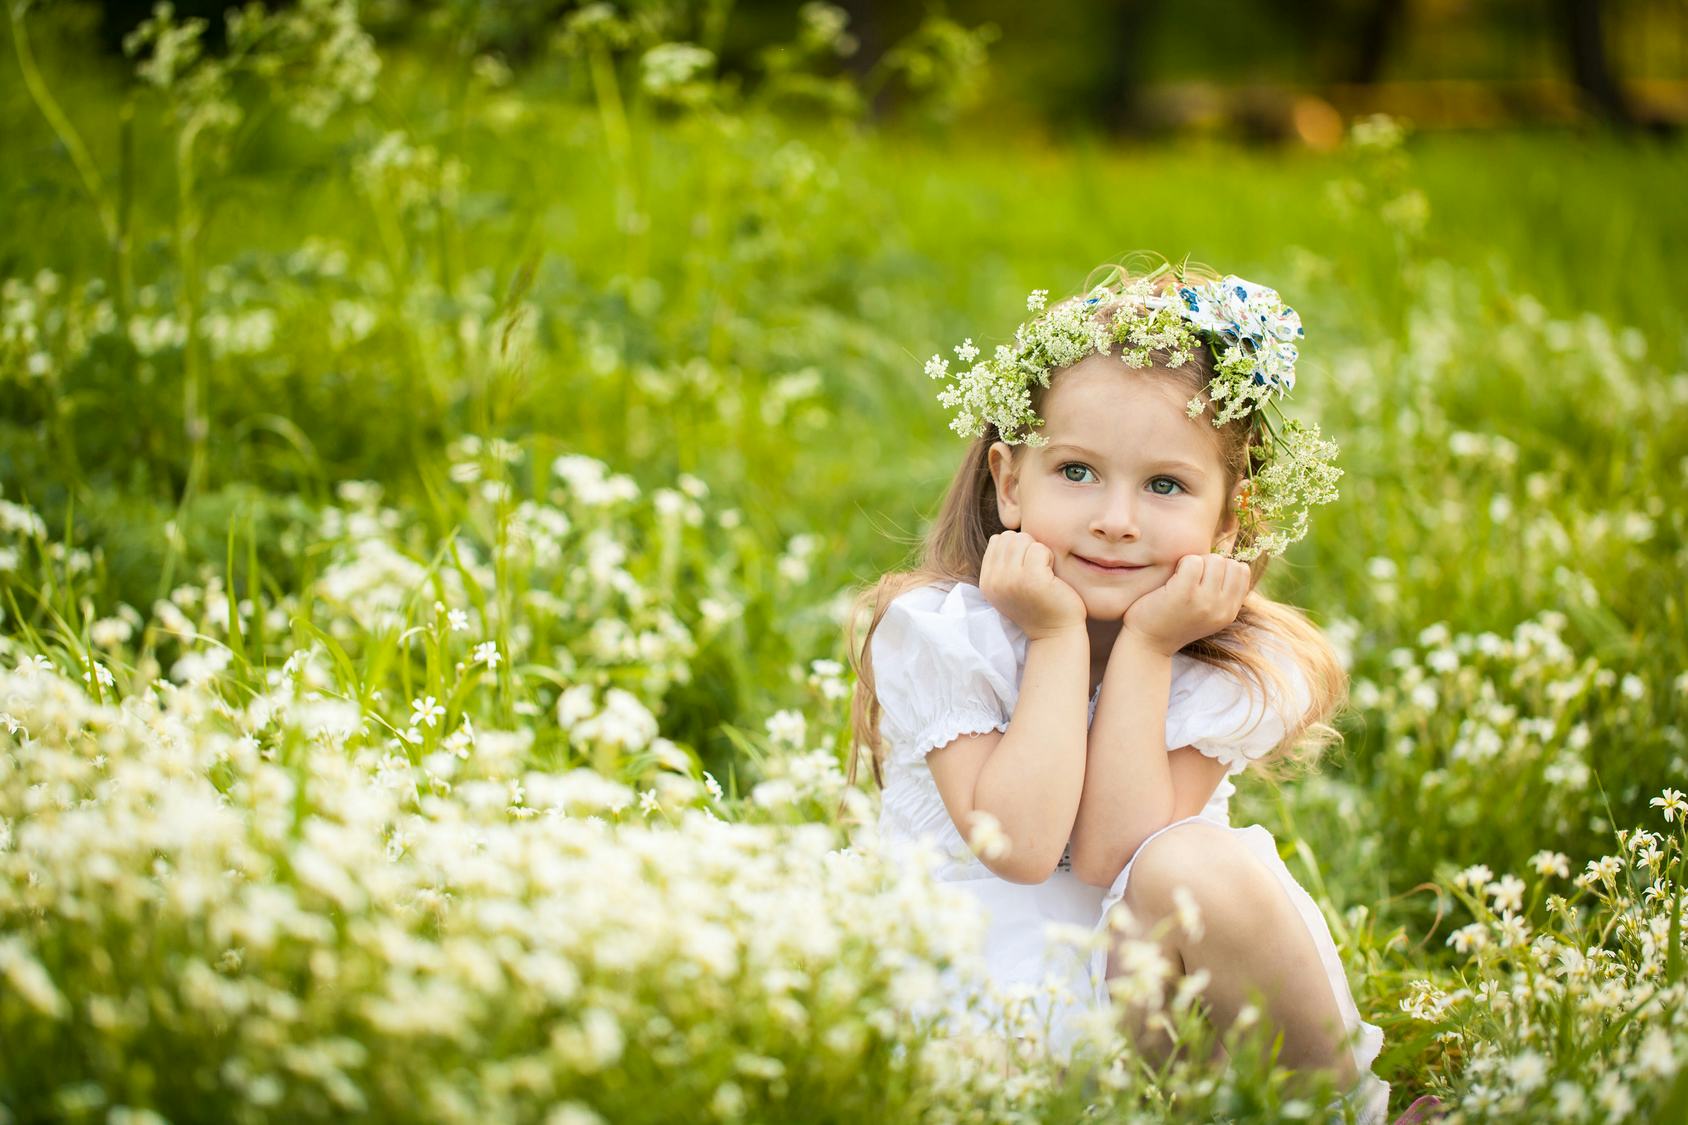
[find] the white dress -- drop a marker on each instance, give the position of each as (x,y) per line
(946,663)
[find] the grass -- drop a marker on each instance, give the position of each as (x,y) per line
(317,406)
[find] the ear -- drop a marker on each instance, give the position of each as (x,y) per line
(1007,480)
(1229,525)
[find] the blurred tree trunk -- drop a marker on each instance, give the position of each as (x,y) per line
(1378,25)
(1583,25)
(1120,86)
(868,28)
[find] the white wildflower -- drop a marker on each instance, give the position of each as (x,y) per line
(1508,893)
(426,710)
(787,728)
(1473,877)
(1673,804)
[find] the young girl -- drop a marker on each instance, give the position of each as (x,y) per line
(1104,540)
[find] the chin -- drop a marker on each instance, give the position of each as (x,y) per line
(1107,606)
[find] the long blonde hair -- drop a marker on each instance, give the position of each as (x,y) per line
(954,548)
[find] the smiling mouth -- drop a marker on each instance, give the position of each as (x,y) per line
(1100,569)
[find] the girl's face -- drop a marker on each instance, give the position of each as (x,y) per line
(1126,480)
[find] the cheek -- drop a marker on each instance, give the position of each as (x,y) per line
(1197,529)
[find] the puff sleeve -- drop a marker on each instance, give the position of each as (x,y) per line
(1225,715)
(945,663)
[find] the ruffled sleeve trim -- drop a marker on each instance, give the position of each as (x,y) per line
(951,727)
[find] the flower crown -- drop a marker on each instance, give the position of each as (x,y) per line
(1251,335)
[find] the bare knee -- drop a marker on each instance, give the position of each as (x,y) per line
(1206,861)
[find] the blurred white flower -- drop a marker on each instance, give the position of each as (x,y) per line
(774,793)
(590,481)
(986,837)
(575,703)
(1468,938)
(827,676)
(1508,893)
(787,728)
(1187,913)
(110,632)
(668,67)
(624,722)
(1474,877)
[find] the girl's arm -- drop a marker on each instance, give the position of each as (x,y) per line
(1030,776)
(1132,785)
(1129,789)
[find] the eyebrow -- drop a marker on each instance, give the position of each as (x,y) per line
(1187,467)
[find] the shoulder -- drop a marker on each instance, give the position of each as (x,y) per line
(944,592)
(1227,712)
(960,604)
(944,659)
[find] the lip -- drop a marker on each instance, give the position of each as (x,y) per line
(1100,569)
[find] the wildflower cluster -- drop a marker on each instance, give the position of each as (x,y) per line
(167,878)
(1249,333)
(1467,724)
(1567,1004)
(315,56)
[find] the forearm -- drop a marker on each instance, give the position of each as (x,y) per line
(1032,780)
(1127,790)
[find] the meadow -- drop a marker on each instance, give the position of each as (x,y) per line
(432,486)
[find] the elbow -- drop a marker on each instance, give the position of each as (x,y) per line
(1099,869)
(1024,866)
(1099,864)
(1026,870)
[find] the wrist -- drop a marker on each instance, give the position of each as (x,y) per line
(1138,643)
(1059,631)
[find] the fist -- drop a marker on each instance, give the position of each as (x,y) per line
(1018,578)
(1204,594)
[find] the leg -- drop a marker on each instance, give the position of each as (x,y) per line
(1253,941)
(1132,947)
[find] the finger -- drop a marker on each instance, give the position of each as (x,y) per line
(1188,571)
(1213,573)
(1218,573)
(1236,579)
(1031,553)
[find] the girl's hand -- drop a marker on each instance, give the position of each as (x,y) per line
(1017,577)
(1204,594)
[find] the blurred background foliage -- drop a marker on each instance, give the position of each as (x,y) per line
(1129,66)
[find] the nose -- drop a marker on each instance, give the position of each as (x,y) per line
(1116,518)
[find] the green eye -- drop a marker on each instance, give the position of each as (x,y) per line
(1073,465)
(1154,485)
